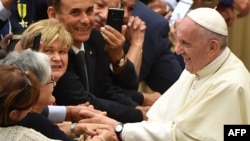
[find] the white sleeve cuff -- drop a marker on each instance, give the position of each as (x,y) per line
(57,114)
(146,130)
(4,13)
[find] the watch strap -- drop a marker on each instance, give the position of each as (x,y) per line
(72,130)
(121,62)
(118,131)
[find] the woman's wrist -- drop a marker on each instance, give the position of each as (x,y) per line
(72,131)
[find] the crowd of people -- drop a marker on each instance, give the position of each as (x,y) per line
(83,81)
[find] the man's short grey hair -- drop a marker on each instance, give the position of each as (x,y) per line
(37,62)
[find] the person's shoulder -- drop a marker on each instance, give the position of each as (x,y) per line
(95,40)
(95,33)
(95,36)
(11,133)
(234,70)
(16,133)
(36,117)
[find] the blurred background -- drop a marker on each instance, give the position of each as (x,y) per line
(239,39)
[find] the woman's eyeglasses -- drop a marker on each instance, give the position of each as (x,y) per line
(52,81)
(28,82)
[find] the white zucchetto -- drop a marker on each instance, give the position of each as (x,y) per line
(210,19)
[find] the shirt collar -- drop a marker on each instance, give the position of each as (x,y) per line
(76,50)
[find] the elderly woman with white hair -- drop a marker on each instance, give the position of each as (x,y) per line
(39,64)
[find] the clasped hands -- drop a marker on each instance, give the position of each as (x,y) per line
(88,131)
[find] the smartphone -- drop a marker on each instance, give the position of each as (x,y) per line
(36,42)
(180,10)
(115,18)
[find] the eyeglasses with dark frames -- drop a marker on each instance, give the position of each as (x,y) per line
(28,82)
(52,81)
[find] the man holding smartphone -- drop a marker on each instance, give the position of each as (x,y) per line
(108,12)
(159,68)
(134,35)
(71,89)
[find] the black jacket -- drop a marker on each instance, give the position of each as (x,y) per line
(103,94)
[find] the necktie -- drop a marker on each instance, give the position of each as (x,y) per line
(81,57)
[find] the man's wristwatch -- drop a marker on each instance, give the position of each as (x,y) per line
(118,130)
(121,62)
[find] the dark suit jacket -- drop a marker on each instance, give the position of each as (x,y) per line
(127,78)
(2,23)
(129,82)
(159,68)
(36,10)
(103,94)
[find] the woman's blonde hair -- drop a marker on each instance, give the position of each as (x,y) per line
(51,31)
